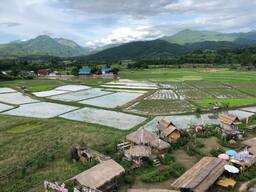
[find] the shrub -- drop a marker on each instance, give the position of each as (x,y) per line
(167,160)
(216,152)
(172,171)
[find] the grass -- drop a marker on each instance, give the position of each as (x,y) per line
(167,74)
(206,103)
(38,149)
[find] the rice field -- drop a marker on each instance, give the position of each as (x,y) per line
(108,118)
(112,100)
(40,110)
(162,107)
(16,98)
(226,93)
(80,95)
(4,107)
(6,90)
(163,94)
(193,93)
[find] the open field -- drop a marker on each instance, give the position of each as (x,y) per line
(38,149)
(153,107)
(40,110)
(165,75)
(104,117)
(112,100)
(81,95)
(16,98)
(35,149)
(230,102)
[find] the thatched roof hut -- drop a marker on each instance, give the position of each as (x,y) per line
(168,130)
(102,176)
(141,136)
(228,119)
(250,142)
(201,176)
(151,190)
(139,151)
(160,144)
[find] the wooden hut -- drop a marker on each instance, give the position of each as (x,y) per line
(137,153)
(229,123)
(168,131)
(151,190)
(201,176)
(141,136)
(159,147)
(144,137)
(103,177)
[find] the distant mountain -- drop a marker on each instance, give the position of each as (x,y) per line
(154,49)
(190,36)
(43,45)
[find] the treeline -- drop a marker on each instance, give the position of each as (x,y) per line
(244,57)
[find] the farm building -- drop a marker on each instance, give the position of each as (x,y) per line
(229,123)
(106,70)
(85,71)
(151,190)
(167,130)
(144,137)
(42,72)
(201,176)
(103,177)
(144,144)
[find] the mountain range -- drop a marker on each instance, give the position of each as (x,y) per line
(43,45)
(166,47)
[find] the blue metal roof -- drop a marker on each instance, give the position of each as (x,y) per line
(85,71)
(106,70)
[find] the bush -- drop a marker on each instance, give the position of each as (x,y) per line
(172,171)
(216,152)
(167,160)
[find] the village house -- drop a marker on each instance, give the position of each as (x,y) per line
(229,124)
(104,177)
(106,70)
(85,71)
(201,176)
(168,131)
(144,144)
(42,72)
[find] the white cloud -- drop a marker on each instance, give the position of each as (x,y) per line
(116,21)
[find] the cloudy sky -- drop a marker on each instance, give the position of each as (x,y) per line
(100,22)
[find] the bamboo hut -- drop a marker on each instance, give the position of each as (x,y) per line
(141,136)
(229,123)
(103,177)
(159,147)
(168,131)
(137,153)
(201,176)
(144,137)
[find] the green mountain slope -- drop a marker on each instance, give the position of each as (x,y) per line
(154,49)
(43,45)
(189,36)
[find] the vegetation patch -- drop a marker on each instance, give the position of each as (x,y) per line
(163,106)
(207,103)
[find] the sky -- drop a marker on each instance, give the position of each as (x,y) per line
(100,22)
